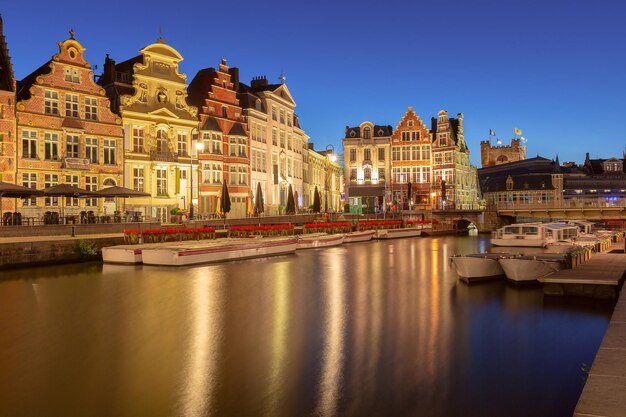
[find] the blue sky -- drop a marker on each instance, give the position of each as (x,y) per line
(554,69)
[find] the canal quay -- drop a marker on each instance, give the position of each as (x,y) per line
(381,328)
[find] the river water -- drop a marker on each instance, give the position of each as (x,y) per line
(370,329)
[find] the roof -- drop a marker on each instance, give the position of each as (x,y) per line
(526,182)
(7,81)
(237,130)
(210,123)
(23,86)
(378,131)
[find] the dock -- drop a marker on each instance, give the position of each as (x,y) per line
(599,277)
(603,395)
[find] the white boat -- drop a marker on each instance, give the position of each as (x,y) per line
(122,254)
(217,251)
(533,234)
(528,268)
(361,236)
(397,233)
(319,240)
(479,266)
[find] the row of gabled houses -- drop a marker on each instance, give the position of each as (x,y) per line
(141,125)
(414,166)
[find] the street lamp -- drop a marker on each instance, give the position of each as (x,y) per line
(199,148)
(330,157)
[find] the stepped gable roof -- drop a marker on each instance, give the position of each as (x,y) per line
(7,77)
(210,124)
(23,86)
(237,130)
(525,182)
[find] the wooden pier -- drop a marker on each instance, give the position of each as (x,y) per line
(599,277)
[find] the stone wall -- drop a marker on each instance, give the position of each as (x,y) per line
(37,253)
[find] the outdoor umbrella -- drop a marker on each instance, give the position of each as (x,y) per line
(16,191)
(291,205)
(66,190)
(218,203)
(250,205)
(316,201)
(117,191)
(225,203)
(259,205)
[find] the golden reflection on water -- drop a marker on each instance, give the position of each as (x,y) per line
(206,297)
(334,335)
(280,324)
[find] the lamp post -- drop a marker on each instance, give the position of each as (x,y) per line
(330,157)
(199,148)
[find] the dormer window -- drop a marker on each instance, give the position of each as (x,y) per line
(381,133)
(352,134)
(367,133)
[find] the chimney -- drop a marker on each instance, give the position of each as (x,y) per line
(258,82)
(108,76)
(234,77)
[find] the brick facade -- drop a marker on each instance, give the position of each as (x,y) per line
(225,154)
(7,120)
(411,162)
(67,133)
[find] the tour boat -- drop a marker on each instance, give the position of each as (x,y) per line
(479,266)
(122,254)
(533,234)
(527,268)
(396,233)
(319,240)
(217,251)
(361,236)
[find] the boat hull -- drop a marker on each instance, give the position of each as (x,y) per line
(320,241)
(364,236)
(474,268)
(172,256)
(397,233)
(528,270)
(122,255)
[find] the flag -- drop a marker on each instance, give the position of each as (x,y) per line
(491,133)
(517,131)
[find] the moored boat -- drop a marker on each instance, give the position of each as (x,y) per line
(319,240)
(360,236)
(478,266)
(122,254)
(397,233)
(217,251)
(533,234)
(528,268)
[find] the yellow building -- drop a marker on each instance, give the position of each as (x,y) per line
(324,173)
(150,95)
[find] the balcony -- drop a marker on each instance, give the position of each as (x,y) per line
(75,163)
(163,156)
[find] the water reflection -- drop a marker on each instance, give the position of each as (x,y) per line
(377,329)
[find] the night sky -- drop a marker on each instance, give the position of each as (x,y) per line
(554,69)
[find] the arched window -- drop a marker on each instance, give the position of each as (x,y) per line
(257,104)
(225,112)
(367,133)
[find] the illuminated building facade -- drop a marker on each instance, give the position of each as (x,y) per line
(325,174)
(501,154)
(278,146)
(67,134)
(150,95)
(454,179)
(367,167)
(225,154)
(411,162)
(7,120)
